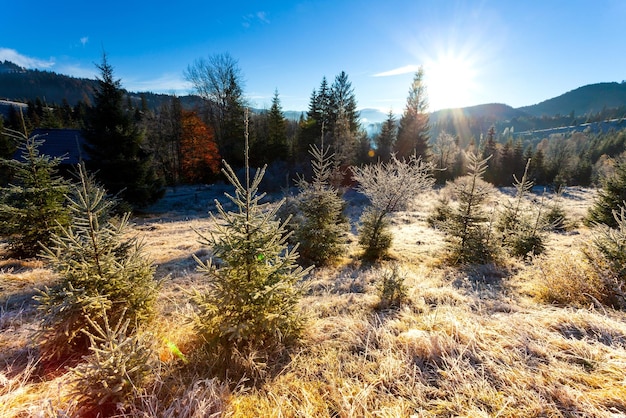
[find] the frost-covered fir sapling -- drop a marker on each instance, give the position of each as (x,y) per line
(32,206)
(610,197)
(120,361)
(522,224)
(322,227)
(104,271)
(607,252)
(469,227)
(250,308)
(390,186)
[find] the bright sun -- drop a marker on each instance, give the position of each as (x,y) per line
(450,81)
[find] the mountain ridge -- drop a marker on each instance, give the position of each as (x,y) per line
(20,84)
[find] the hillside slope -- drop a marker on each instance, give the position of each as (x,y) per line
(587,99)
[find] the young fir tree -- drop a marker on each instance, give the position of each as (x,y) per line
(103,271)
(468,225)
(390,187)
(522,224)
(32,205)
(607,251)
(250,307)
(322,228)
(610,198)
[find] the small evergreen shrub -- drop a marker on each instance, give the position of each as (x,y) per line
(390,187)
(374,236)
(607,252)
(119,363)
(250,309)
(469,227)
(554,216)
(441,213)
(32,206)
(103,271)
(521,223)
(391,288)
(322,228)
(610,197)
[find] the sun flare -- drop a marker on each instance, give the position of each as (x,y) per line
(451,81)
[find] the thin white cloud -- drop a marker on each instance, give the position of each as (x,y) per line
(251,18)
(262,16)
(411,68)
(8,54)
(166,83)
(84,40)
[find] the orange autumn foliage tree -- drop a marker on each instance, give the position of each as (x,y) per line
(200,157)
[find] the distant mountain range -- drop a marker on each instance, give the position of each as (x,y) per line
(21,85)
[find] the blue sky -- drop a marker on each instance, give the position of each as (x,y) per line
(473,52)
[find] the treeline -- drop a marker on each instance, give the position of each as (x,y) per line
(174,144)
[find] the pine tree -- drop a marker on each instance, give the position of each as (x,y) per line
(413,132)
(251,305)
(115,145)
(322,229)
(103,271)
(32,206)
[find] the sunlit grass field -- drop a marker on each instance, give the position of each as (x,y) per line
(478,341)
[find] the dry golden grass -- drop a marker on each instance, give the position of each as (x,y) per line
(484,342)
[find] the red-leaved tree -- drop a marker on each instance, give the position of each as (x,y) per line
(200,156)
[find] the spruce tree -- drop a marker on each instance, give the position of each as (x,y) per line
(386,139)
(468,225)
(251,304)
(277,127)
(343,103)
(32,205)
(522,224)
(103,270)
(321,230)
(115,145)
(610,197)
(413,132)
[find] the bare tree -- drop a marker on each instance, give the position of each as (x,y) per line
(219,80)
(390,187)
